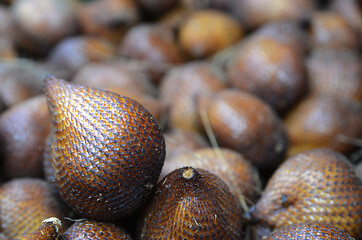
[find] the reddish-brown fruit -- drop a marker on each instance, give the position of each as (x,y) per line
(107,150)
(254,13)
(192,204)
(242,122)
(74,52)
(308,231)
(238,173)
(113,75)
(330,30)
(49,230)
(24,204)
(88,229)
(319,185)
(154,45)
(54,20)
(182,86)
(336,73)
(179,141)
(207,32)
(324,121)
(108,18)
(272,70)
(23,131)
(286,33)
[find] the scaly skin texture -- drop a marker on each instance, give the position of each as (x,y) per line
(310,231)
(319,185)
(24,204)
(192,204)
(49,230)
(236,171)
(94,230)
(107,150)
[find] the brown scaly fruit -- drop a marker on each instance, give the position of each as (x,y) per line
(192,204)
(308,231)
(24,204)
(49,230)
(88,229)
(237,172)
(107,150)
(319,185)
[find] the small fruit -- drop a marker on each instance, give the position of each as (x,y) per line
(24,204)
(308,231)
(319,185)
(242,122)
(192,204)
(271,69)
(237,172)
(49,230)
(23,131)
(88,229)
(207,32)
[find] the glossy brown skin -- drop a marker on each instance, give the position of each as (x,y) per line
(207,32)
(314,186)
(49,230)
(254,13)
(336,73)
(74,52)
(270,69)
(192,204)
(24,204)
(324,121)
(330,30)
(89,229)
(310,231)
(154,45)
(286,32)
(108,18)
(242,122)
(179,142)
(183,85)
(107,150)
(55,20)
(111,75)
(23,131)
(237,172)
